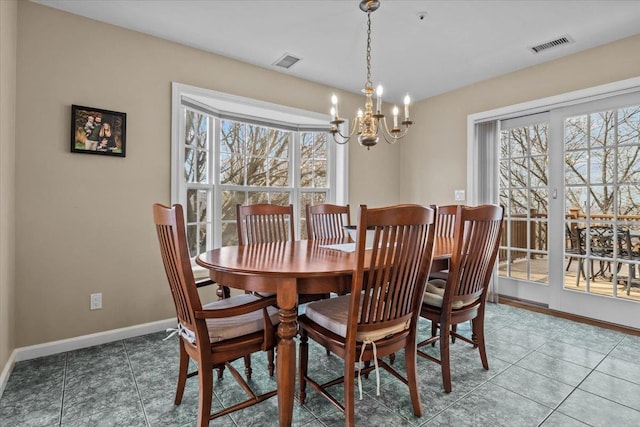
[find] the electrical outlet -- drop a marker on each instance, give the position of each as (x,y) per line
(96,301)
(459,195)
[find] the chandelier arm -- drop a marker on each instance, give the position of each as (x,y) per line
(391,137)
(346,138)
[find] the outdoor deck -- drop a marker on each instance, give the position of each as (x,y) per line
(601,285)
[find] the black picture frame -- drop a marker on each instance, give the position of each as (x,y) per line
(98,131)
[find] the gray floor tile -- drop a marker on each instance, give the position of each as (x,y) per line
(620,368)
(130,416)
(613,388)
(506,351)
(597,411)
(628,349)
(558,419)
(566,372)
(515,336)
(586,357)
(583,335)
(533,386)
(493,405)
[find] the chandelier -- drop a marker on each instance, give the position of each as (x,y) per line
(369,123)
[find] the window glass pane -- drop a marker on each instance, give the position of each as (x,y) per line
(278,173)
(257,140)
(202,170)
(629,200)
(504,173)
(256,172)
(257,197)
(519,173)
(229,201)
(629,125)
(601,164)
(538,171)
(538,201)
(231,169)
(518,142)
(576,200)
(279,143)
(320,173)
(280,199)
(190,165)
(306,174)
(232,136)
(576,133)
(601,200)
(192,240)
(602,129)
(229,233)
(196,129)
(518,202)
(576,167)
(629,164)
(538,140)
(192,205)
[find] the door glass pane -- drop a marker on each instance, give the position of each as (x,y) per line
(603,211)
(523,181)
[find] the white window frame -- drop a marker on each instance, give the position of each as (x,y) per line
(233,107)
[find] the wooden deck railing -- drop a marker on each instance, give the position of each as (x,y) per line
(538,230)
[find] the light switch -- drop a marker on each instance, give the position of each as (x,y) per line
(459,195)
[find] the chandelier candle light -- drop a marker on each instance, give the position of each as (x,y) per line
(368,123)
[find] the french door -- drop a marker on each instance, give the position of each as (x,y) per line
(569,180)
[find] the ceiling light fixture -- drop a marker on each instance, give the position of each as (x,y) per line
(369,123)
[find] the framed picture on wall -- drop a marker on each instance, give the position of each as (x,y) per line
(98,131)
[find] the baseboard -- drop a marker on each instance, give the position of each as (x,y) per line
(8,367)
(70,344)
(543,308)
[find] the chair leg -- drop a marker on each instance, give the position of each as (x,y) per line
(444,359)
(412,378)
(454,328)
(270,365)
(182,373)
(303,366)
(205,380)
(434,331)
(477,325)
(349,391)
(580,272)
(247,367)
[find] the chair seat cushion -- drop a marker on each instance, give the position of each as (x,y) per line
(434,293)
(333,314)
(236,326)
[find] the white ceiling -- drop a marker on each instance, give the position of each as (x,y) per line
(457,43)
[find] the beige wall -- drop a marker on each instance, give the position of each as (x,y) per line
(84,222)
(8,41)
(434,160)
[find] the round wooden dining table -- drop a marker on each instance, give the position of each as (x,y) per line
(289,269)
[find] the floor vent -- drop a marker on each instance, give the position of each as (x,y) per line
(286,61)
(566,39)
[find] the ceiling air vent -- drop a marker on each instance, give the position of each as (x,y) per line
(286,61)
(566,39)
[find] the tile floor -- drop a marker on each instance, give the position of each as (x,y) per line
(543,371)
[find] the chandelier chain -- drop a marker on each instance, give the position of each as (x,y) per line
(369,48)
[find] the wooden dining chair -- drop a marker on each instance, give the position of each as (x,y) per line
(380,315)
(327,221)
(445,223)
(463,295)
(264,223)
(215,334)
